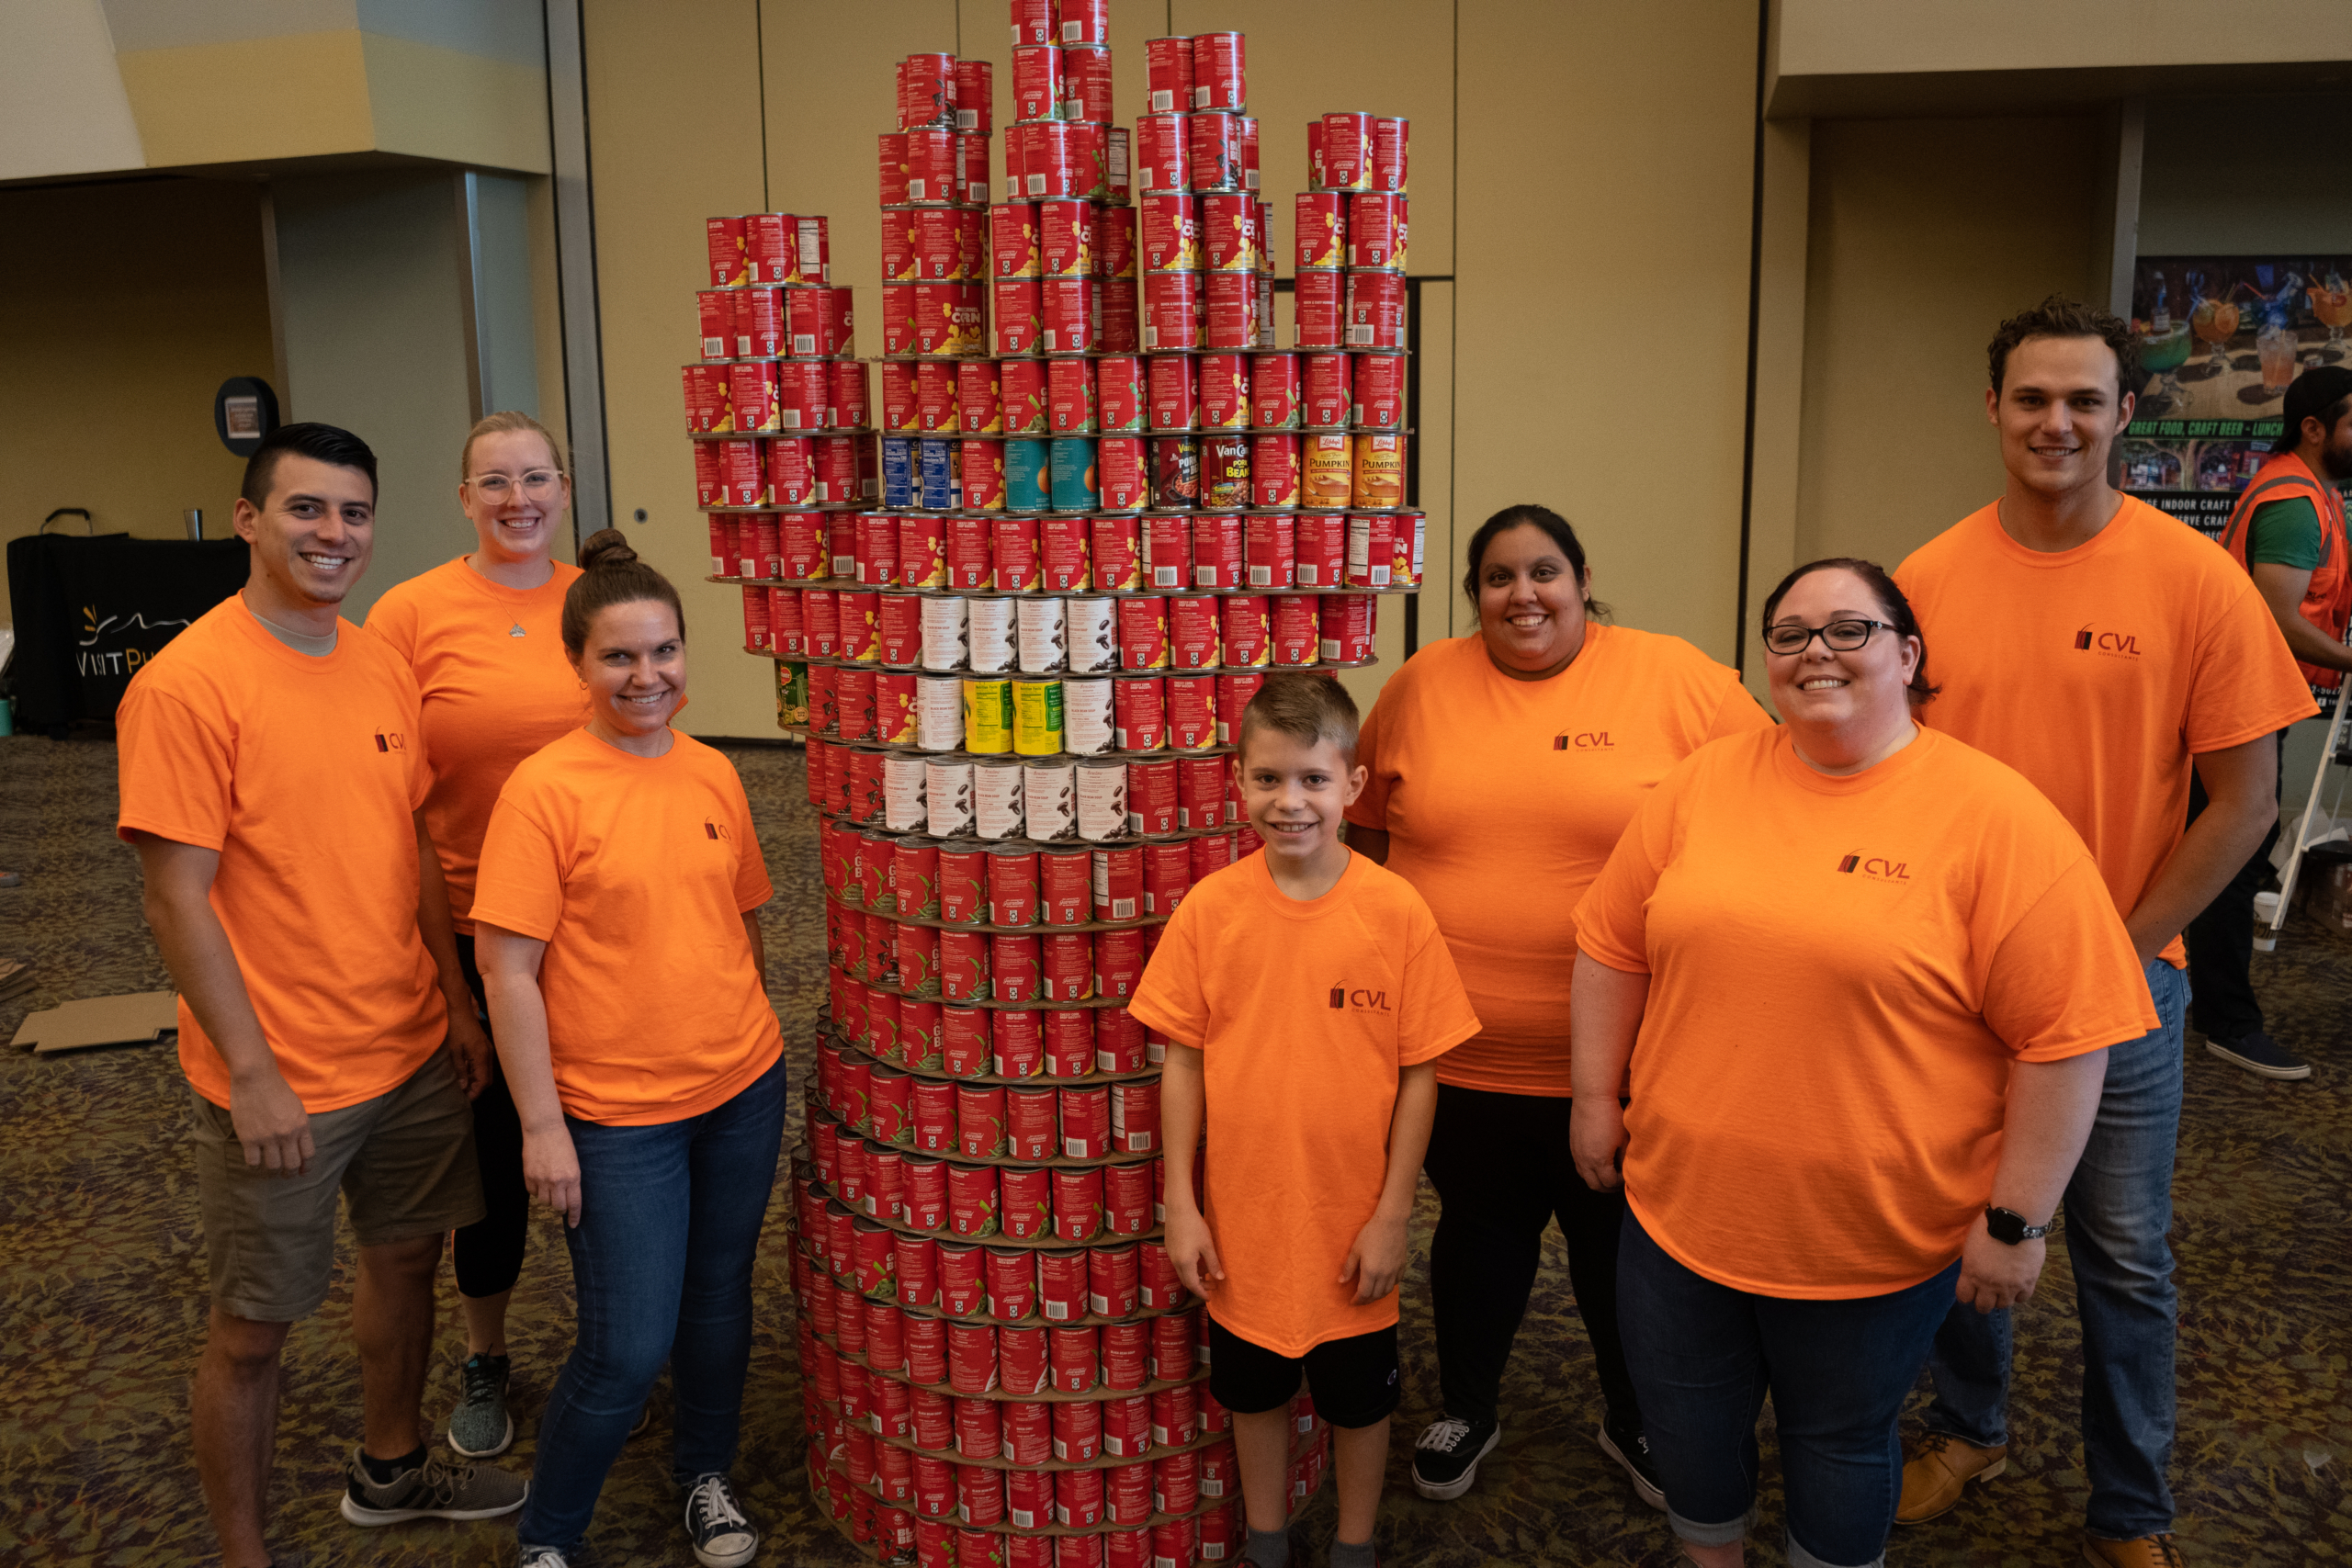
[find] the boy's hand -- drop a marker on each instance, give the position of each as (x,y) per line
(1597,1140)
(1376,1258)
(1194,1251)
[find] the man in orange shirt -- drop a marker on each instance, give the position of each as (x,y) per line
(2286,530)
(2109,654)
(271,777)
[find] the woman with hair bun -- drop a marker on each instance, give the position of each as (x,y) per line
(481,634)
(620,943)
(1502,767)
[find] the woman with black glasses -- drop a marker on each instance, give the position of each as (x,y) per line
(1865,978)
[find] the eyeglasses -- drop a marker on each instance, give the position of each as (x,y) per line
(538,484)
(1843,635)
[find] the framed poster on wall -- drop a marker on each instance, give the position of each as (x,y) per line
(2221,337)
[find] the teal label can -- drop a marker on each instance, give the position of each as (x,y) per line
(1075,487)
(1027,480)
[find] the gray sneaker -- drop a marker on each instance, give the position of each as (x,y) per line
(433,1490)
(480,1426)
(542,1557)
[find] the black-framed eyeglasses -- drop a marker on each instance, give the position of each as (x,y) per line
(1842,635)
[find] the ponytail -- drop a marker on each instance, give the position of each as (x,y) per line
(610,574)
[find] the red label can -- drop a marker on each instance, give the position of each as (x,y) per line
(963,1292)
(1321,234)
(1246,628)
(1086,83)
(1229,232)
(801,537)
(846,386)
(1233,694)
(1118,963)
(971,1198)
(1014,240)
(1216,560)
(1069,1040)
(1224,402)
(792,472)
(963,885)
(1120,392)
(1066,318)
(1066,969)
(1319,308)
(1219,71)
(1192,631)
(1126,1355)
(1161,1287)
(975,82)
(1295,635)
(1116,566)
(1026,1210)
(1375,309)
(1344,624)
(1134,1118)
(1191,712)
(1061,550)
(1274,470)
(1139,710)
(1013,973)
(1014,547)
(1152,794)
(1029,1120)
(1021,383)
(1379,391)
(1167,63)
(877,549)
(1391,147)
(1329,390)
(1078,1432)
(1012,886)
(1376,230)
(964,1042)
(935,397)
(1011,1281)
(1074,1356)
(1069,396)
(1322,549)
(898,406)
(1274,391)
(728,261)
(1143,637)
(1175,393)
(1173,316)
(933,1112)
(1085,1123)
(979,411)
(1173,1340)
(1061,1286)
(1163,158)
(1125,481)
(1019,309)
(1077,1203)
(979,1126)
(1230,300)
(1370,549)
(919,548)
(963,965)
(1347,152)
(923,1194)
(1064,238)
(1171,234)
(1111,1273)
(1037,81)
(760,324)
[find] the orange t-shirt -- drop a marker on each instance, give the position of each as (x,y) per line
(306,775)
(489,661)
(2099,672)
(1502,799)
(636,873)
(1841,971)
(1303,1011)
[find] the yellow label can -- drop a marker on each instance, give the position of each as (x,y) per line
(1037,717)
(988,716)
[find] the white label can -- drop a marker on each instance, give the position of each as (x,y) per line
(1049,800)
(947,783)
(1093,634)
(996,800)
(939,712)
(942,633)
(1089,725)
(1102,801)
(1041,637)
(903,809)
(990,625)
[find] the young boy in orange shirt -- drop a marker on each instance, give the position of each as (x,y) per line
(1307,995)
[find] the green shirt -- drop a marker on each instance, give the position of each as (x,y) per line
(2285,533)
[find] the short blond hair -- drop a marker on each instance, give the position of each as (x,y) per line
(499,424)
(1305,707)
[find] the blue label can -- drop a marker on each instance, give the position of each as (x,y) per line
(1077,487)
(943,487)
(1027,483)
(898,471)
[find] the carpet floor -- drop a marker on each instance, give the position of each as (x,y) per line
(102,1297)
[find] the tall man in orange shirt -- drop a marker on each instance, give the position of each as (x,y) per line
(272,776)
(2109,654)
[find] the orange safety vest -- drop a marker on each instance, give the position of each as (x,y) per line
(2327,602)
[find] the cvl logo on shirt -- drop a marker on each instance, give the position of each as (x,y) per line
(1583,740)
(1356,999)
(711,830)
(1876,867)
(2124,645)
(390,741)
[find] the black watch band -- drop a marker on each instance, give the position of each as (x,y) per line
(2009,1225)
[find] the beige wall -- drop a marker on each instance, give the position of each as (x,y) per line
(1922,235)
(107,399)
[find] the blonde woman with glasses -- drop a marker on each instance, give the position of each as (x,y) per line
(483,636)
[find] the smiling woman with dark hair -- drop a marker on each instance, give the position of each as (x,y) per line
(1502,766)
(1865,978)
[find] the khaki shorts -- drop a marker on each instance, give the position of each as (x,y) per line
(403,1160)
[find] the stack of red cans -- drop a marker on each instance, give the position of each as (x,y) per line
(779,406)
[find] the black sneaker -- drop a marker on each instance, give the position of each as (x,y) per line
(1632,1452)
(2258,1052)
(723,1538)
(433,1490)
(1445,1460)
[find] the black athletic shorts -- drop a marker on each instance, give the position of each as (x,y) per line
(1355,1381)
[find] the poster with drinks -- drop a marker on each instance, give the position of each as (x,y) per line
(2220,339)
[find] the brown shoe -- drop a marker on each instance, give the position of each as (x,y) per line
(1940,1466)
(2147,1551)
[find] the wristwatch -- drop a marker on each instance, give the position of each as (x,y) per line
(2009,1225)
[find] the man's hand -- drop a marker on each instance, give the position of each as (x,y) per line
(551,1171)
(1597,1140)
(469,1049)
(270,1122)
(1994,1274)
(1376,1258)
(1194,1251)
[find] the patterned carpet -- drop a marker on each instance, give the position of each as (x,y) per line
(102,1297)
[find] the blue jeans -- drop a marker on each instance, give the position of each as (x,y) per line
(661,1260)
(2117,1207)
(1703,1356)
